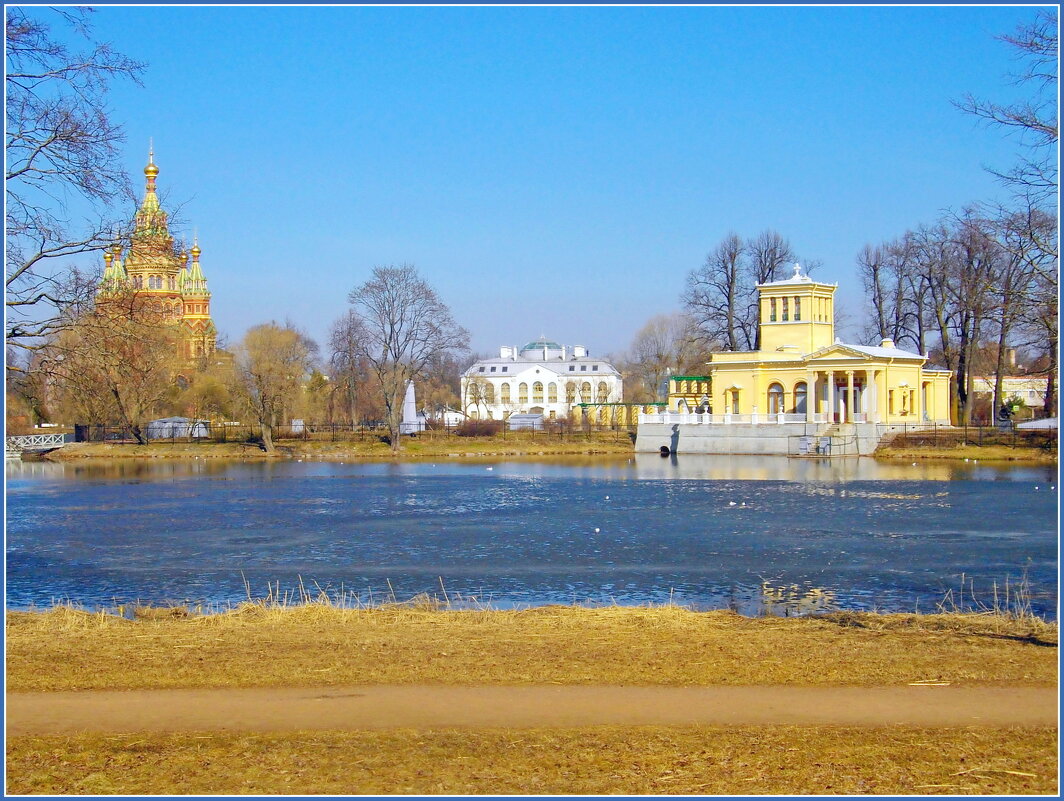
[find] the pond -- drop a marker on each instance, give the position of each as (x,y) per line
(750,533)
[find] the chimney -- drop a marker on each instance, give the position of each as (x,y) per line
(564,352)
(887,343)
(504,352)
(579,351)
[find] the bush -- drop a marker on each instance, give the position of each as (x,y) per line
(479,428)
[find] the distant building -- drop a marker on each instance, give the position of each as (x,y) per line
(175,290)
(542,377)
(1031,389)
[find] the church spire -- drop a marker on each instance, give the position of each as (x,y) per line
(196,282)
(151,219)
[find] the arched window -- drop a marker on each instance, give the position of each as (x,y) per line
(171,283)
(489,393)
(785,318)
(552,393)
(138,281)
(570,392)
(775,395)
(522,392)
(772,310)
(800,393)
(797,309)
(537,392)
(603,392)
(504,393)
(585,392)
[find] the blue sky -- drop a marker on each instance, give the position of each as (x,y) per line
(551,171)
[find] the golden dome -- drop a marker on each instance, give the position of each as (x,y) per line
(195,251)
(151,170)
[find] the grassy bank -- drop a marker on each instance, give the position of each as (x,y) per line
(425,446)
(318,644)
(315,645)
(646,760)
(982,453)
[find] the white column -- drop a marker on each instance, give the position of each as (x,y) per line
(810,395)
(831,395)
(873,397)
(849,396)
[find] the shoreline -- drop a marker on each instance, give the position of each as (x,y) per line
(598,446)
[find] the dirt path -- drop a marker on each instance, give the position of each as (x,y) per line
(378,707)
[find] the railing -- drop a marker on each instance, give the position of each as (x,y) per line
(691,418)
(33,442)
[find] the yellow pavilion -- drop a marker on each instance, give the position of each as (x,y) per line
(803,391)
(803,371)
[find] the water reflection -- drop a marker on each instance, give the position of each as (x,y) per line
(639,466)
(706,531)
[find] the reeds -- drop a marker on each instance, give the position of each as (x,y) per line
(1011,600)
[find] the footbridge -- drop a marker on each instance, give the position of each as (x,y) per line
(16,446)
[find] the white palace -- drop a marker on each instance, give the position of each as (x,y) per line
(541,377)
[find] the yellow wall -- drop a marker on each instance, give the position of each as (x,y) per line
(900,390)
(816,306)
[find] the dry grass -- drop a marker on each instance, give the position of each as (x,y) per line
(318,644)
(984,453)
(783,760)
(514,443)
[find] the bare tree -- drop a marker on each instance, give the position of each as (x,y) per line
(715,295)
(721,296)
(478,394)
(271,364)
(407,328)
(1035,46)
(1029,237)
(63,174)
(769,254)
(668,344)
(116,363)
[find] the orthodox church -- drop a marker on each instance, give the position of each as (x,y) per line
(175,288)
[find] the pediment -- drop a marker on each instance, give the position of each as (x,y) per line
(836,351)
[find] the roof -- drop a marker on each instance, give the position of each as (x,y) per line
(797,279)
(884,353)
(540,344)
(555,365)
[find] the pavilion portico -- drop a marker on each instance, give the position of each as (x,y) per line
(830,393)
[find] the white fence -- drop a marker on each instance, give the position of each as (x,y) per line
(691,418)
(33,442)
